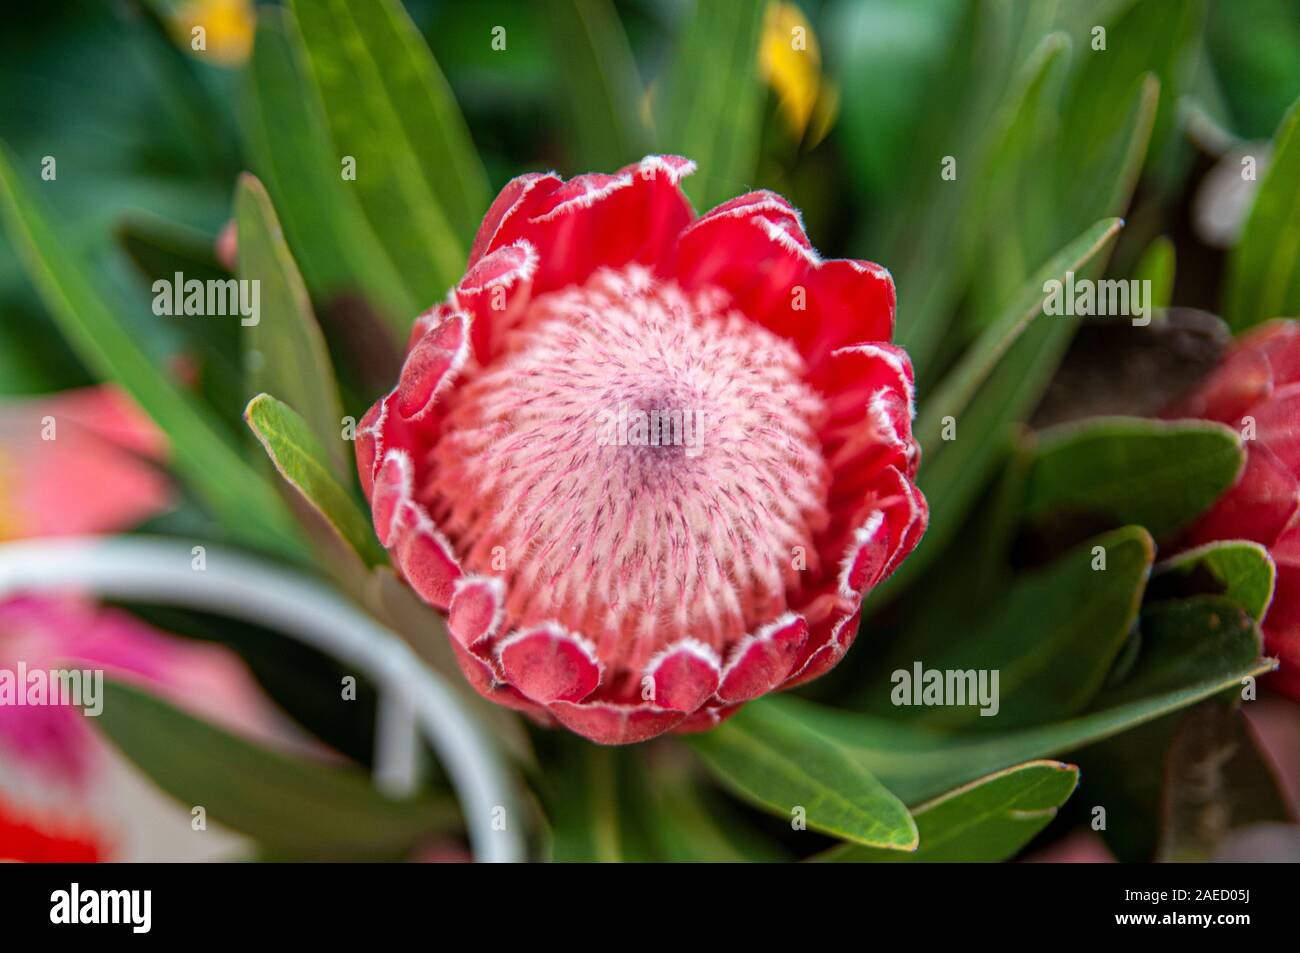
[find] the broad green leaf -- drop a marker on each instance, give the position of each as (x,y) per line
(987,820)
(389,108)
(1264,269)
(245,504)
(286,351)
(602,87)
(1158,265)
(1160,474)
(1051,638)
(1239,569)
(291,807)
(300,459)
(961,384)
(331,239)
(714,99)
(1191,649)
(779,765)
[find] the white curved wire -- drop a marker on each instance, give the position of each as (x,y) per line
(160,570)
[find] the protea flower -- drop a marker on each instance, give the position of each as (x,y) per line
(1256,389)
(650,464)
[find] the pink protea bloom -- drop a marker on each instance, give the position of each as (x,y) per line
(1256,389)
(649,464)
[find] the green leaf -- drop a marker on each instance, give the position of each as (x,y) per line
(246,505)
(286,351)
(692,826)
(159,249)
(293,808)
(962,383)
(592,803)
(300,459)
(777,764)
(1191,649)
(998,69)
(1051,637)
(956,472)
(1264,269)
(987,820)
(1158,265)
(1160,474)
(714,99)
(1239,569)
(418,177)
(1147,40)
(602,86)
(1016,209)
(331,239)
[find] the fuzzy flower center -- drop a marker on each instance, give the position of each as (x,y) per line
(639,464)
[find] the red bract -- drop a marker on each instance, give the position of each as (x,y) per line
(650,464)
(1256,389)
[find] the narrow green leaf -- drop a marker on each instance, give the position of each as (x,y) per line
(1158,266)
(1264,270)
(956,472)
(962,383)
(1156,38)
(1240,569)
(388,106)
(714,99)
(593,802)
(1017,205)
(246,505)
(778,765)
(990,108)
(300,459)
(285,351)
(159,249)
(1159,474)
(693,826)
(331,239)
(602,87)
(291,807)
(987,820)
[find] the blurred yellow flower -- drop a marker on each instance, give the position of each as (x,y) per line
(220,30)
(790,62)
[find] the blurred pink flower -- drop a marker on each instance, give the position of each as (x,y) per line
(83,461)
(86,461)
(1079,847)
